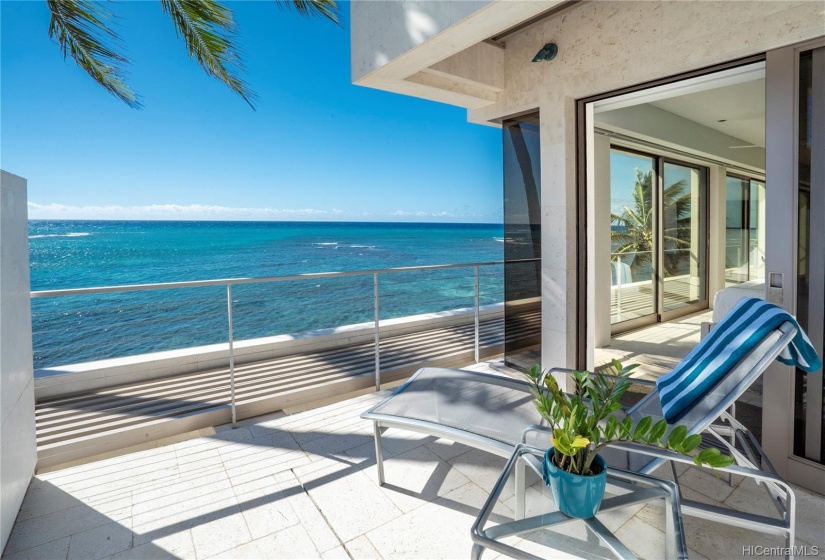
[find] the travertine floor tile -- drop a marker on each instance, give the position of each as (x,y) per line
(177,546)
(337,553)
(54,526)
(100,542)
(350,502)
(440,532)
(55,550)
(292,543)
(265,508)
(362,549)
(223,533)
(308,514)
(642,539)
(484,469)
(417,477)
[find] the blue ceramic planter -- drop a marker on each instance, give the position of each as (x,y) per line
(576,495)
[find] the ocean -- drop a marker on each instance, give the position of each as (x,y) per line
(79,254)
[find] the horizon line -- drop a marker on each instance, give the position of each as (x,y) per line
(258,221)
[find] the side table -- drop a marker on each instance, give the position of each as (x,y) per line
(636,488)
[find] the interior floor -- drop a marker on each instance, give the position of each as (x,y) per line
(658,348)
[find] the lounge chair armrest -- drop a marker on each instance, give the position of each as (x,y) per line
(633,380)
(534,428)
(756,474)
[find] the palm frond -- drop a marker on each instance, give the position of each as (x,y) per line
(208,29)
(79,27)
(322,8)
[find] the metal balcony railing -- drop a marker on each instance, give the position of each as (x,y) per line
(227,285)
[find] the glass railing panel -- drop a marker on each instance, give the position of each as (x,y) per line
(632,286)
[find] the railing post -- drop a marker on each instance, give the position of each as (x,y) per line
(377,335)
(476,314)
(231,356)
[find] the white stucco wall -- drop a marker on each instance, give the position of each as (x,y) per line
(605,46)
(18,453)
(383,30)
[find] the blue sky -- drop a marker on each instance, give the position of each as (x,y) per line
(317,147)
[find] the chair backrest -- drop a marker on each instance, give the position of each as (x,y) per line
(720,397)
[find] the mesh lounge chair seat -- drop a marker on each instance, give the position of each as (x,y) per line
(495,413)
(448,402)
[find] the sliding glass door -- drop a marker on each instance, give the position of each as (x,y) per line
(658,237)
(684,239)
(633,241)
(744,230)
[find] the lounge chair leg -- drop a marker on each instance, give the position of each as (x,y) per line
(379,456)
(673,470)
(670,547)
(477,550)
(521,483)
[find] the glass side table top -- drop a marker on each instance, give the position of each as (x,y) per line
(625,488)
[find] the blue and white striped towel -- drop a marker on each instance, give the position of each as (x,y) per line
(736,335)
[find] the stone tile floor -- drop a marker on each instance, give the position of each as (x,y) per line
(305,486)
(657,347)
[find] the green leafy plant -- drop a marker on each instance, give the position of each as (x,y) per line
(588,420)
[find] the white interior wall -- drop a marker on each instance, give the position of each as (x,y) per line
(18,453)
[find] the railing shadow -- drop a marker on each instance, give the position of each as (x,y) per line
(51,522)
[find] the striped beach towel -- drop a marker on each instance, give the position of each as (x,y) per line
(736,335)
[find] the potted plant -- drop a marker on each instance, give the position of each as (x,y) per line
(588,420)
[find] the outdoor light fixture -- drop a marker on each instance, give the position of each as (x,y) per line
(547,52)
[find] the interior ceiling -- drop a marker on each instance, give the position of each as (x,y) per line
(741,107)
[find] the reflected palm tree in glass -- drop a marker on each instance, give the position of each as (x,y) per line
(633,232)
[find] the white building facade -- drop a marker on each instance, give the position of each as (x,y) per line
(722,98)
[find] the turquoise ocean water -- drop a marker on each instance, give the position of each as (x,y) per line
(77,254)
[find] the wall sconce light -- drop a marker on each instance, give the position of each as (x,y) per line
(547,52)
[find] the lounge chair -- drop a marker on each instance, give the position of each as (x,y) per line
(495,413)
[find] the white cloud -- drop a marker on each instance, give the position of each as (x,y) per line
(173,212)
(56,211)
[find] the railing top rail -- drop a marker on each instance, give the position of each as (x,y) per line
(262,279)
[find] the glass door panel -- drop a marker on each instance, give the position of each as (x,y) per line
(756,234)
(521,151)
(632,236)
(684,236)
(744,230)
(736,231)
(809,412)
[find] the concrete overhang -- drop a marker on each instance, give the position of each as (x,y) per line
(437,50)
